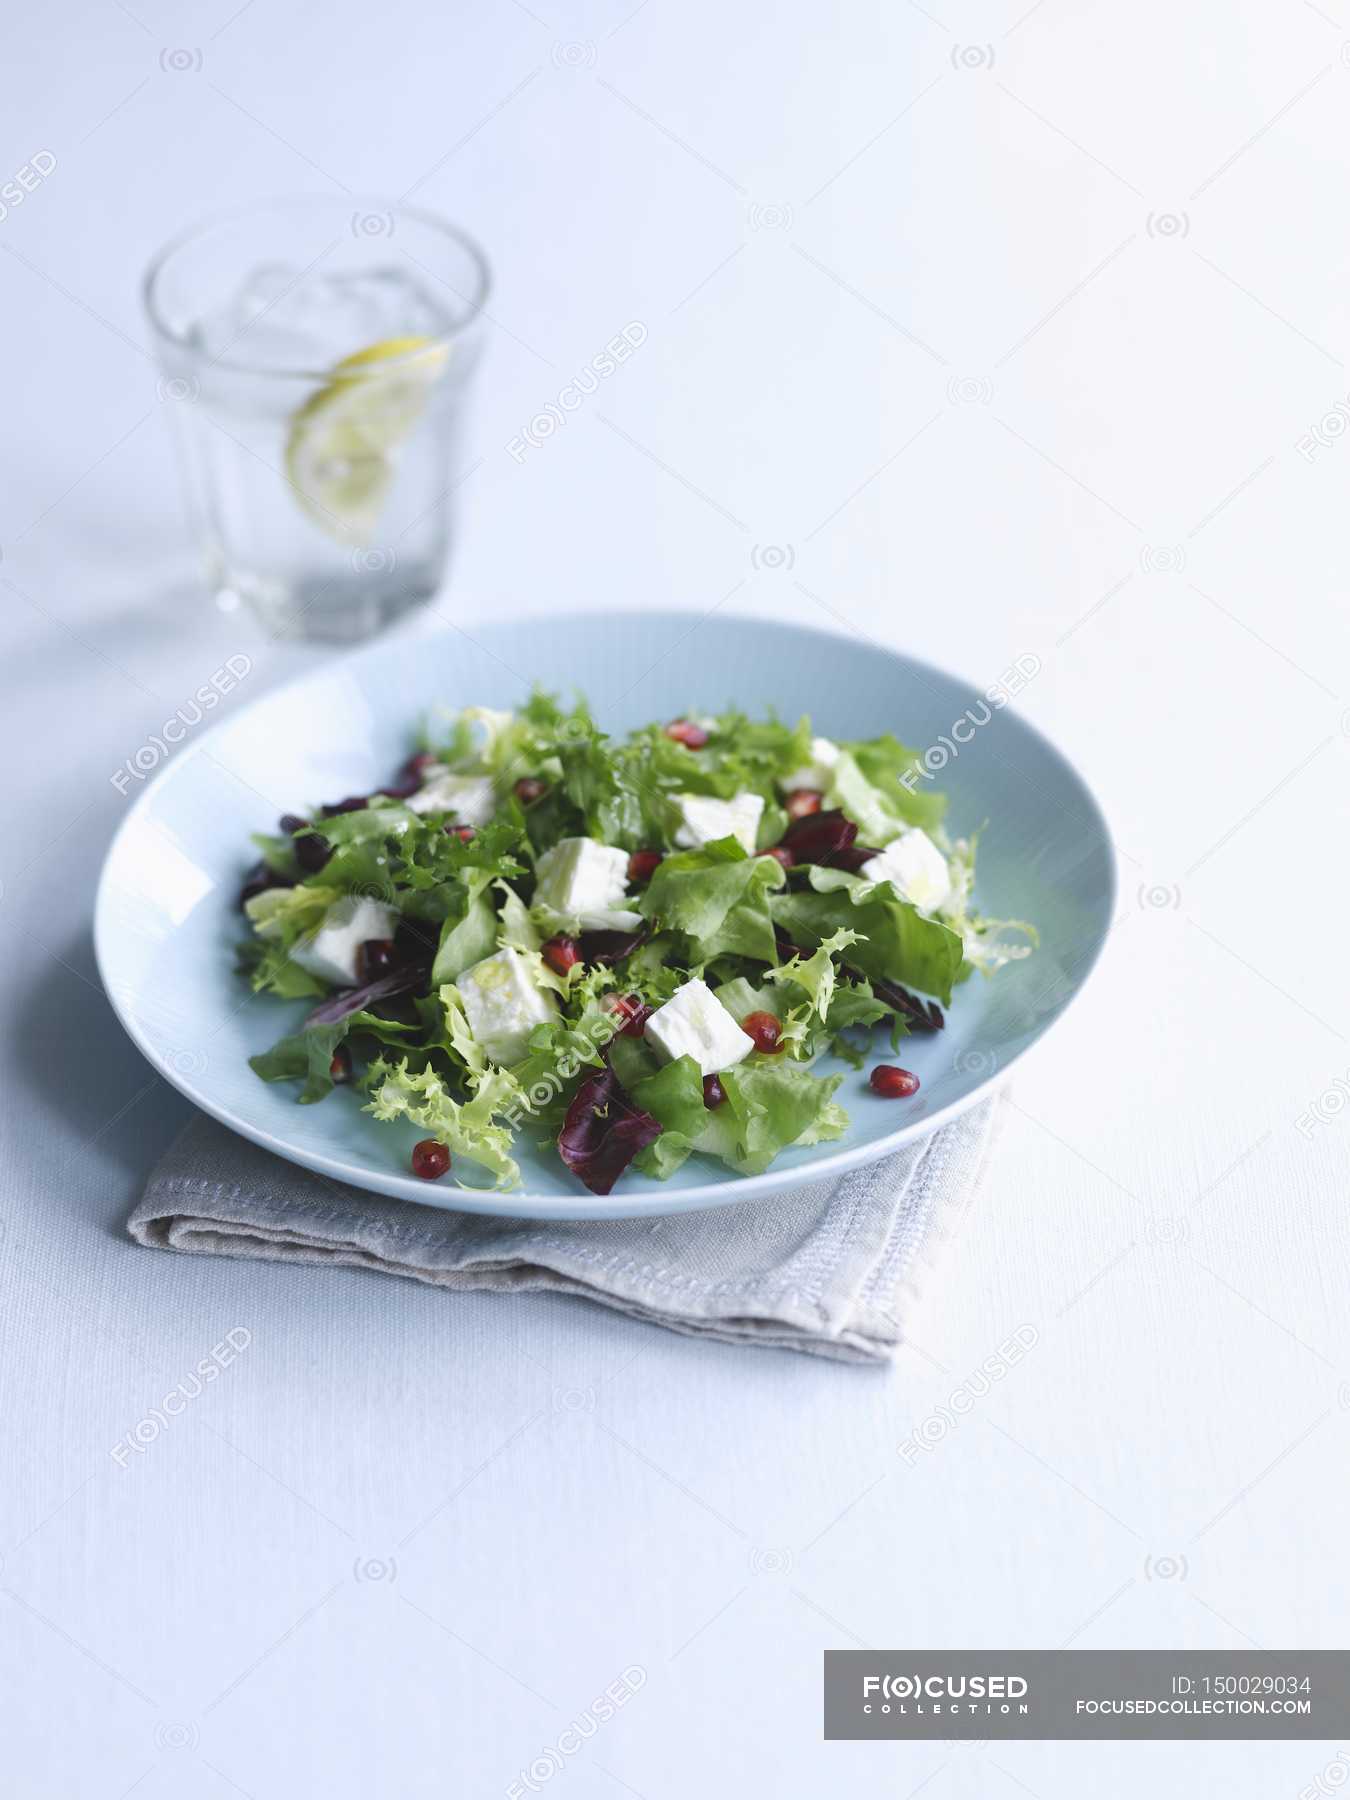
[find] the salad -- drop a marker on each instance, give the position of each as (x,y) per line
(633,948)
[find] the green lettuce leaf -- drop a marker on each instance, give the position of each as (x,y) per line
(895,940)
(363,845)
(278,853)
(307,1055)
(467,936)
(437,874)
(281,917)
(467,1128)
(885,763)
(674,1095)
(718,897)
(816,974)
(285,915)
(453,1034)
(560,1053)
(769,1105)
(987,949)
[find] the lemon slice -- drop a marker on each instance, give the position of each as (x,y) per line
(344,441)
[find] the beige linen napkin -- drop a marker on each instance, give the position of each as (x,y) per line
(833,1268)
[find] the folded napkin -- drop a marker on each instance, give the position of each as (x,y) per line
(832,1268)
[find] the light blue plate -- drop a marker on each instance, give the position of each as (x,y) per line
(166,924)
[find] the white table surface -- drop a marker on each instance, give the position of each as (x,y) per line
(1014,329)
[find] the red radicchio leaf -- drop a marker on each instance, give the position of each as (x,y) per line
(923,1015)
(610,946)
(786,947)
(819,837)
(603,1132)
(852,857)
(348,1000)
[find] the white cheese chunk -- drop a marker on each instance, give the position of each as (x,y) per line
(503,1005)
(916,866)
(816,773)
(703,818)
(695,1023)
(585,881)
(330,952)
(469,797)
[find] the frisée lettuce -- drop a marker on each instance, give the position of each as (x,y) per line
(578,903)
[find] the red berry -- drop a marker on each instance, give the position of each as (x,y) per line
(684,731)
(631,1010)
(529,789)
(430,1160)
(713,1092)
(465,833)
(643,864)
(312,852)
(802,801)
(892,1083)
(340,1069)
(780,854)
(374,958)
(764,1028)
(561,954)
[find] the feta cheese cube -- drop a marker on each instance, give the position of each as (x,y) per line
(469,797)
(330,952)
(703,818)
(695,1023)
(585,881)
(916,866)
(816,773)
(503,1005)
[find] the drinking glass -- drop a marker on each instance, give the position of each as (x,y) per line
(318,355)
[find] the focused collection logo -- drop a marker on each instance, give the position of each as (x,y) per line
(963,1694)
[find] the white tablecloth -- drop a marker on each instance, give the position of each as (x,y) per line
(987,334)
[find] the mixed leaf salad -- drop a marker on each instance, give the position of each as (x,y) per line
(633,948)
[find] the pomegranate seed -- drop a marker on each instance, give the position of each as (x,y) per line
(633,1011)
(892,1083)
(340,1069)
(561,954)
(713,1092)
(374,958)
(802,801)
(529,789)
(430,1160)
(684,731)
(312,852)
(764,1028)
(643,864)
(465,833)
(780,854)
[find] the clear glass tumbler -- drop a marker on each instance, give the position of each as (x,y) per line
(318,354)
